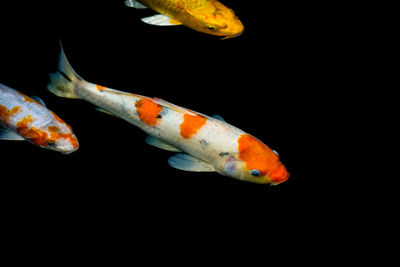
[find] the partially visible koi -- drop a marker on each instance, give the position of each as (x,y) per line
(23,118)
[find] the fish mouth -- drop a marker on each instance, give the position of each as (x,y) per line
(68,152)
(231,36)
(281,180)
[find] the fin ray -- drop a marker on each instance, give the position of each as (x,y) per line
(160,20)
(186,162)
(135,4)
(62,83)
(6,134)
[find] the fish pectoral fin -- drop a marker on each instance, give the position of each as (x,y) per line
(135,4)
(160,144)
(6,134)
(186,162)
(160,20)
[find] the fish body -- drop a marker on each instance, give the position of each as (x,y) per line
(205,143)
(23,118)
(207,16)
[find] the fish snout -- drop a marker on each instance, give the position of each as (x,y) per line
(279,176)
(65,145)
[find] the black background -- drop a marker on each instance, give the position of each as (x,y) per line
(267,82)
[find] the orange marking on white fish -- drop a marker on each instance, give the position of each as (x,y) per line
(24,129)
(55,134)
(259,156)
(206,144)
(100,88)
(5,113)
(191,124)
(28,99)
(148,111)
(53,129)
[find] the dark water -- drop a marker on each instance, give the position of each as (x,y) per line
(267,82)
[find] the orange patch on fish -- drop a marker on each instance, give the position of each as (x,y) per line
(259,156)
(5,113)
(42,138)
(60,120)
(54,136)
(191,124)
(28,99)
(53,129)
(148,111)
(34,135)
(99,87)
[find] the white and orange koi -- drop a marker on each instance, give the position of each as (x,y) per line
(206,143)
(207,16)
(23,118)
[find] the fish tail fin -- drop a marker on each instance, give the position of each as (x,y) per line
(63,82)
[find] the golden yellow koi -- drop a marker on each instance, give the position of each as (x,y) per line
(207,16)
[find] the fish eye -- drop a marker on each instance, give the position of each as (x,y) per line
(51,142)
(210,27)
(255,172)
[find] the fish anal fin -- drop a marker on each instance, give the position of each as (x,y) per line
(6,134)
(160,144)
(186,162)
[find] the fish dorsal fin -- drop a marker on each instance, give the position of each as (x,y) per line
(107,112)
(218,117)
(169,105)
(6,134)
(39,100)
(160,144)
(161,20)
(186,162)
(135,4)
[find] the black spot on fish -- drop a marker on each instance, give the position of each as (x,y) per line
(159,116)
(222,154)
(204,143)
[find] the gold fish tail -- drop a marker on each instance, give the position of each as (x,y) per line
(63,82)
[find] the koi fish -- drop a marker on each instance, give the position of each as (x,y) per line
(23,118)
(205,144)
(207,16)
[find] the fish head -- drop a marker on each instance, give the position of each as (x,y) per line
(255,162)
(55,135)
(217,19)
